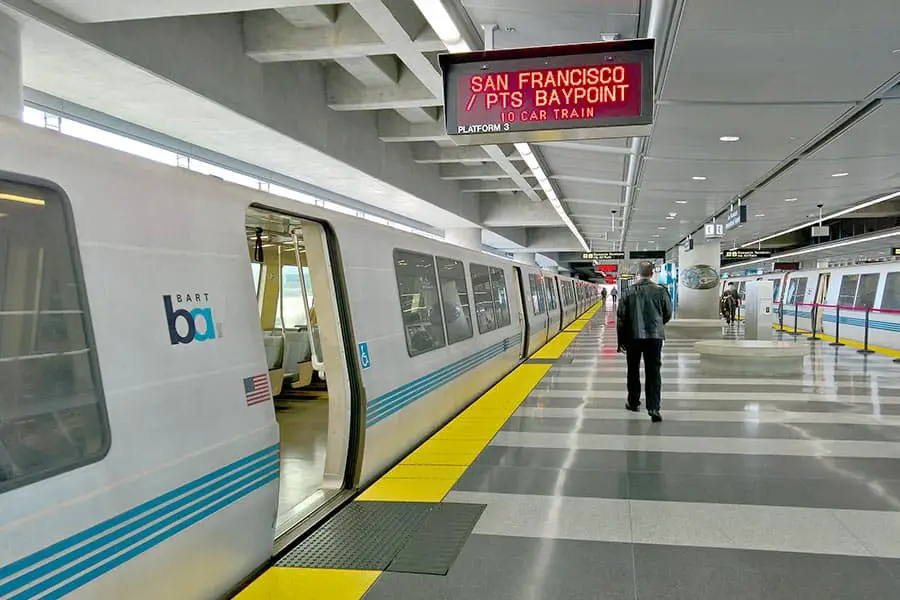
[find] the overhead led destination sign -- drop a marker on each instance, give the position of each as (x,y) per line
(743,254)
(575,91)
(603,256)
(895,251)
(610,268)
(736,216)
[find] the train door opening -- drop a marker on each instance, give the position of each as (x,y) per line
(308,372)
(523,321)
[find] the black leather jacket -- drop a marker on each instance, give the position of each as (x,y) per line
(643,310)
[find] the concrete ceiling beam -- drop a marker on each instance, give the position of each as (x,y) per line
(429,153)
(372,71)
(583,147)
(551,239)
(310,16)
(269,37)
(594,180)
(516,210)
(462,172)
(420,114)
(471,187)
(394,128)
(344,93)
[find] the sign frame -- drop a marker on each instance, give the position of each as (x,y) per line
(457,67)
(714,231)
(742,254)
(647,255)
(602,256)
(736,217)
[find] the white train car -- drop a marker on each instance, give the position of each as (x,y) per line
(141,455)
(810,299)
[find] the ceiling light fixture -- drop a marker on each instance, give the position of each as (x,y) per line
(820,248)
(790,199)
(842,174)
(841,213)
(759,215)
(729,138)
(681,202)
(660,228)
(670,218)
(698,178)
(440,20)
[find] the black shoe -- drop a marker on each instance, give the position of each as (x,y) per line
(655,416)
(633,407)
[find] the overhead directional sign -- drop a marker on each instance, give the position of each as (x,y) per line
(745,254)
(714,230)
(735,217)
(647,255)
(603,256)
(572,91)
(895,251)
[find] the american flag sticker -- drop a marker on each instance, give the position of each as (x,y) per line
(256,389)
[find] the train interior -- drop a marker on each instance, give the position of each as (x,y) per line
(297,371)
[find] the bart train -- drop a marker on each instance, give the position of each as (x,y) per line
(148,313)
(873,288)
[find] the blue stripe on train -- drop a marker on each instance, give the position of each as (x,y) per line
(136,530)
(384,406)
(851,321)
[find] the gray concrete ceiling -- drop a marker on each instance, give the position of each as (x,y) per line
(347,96)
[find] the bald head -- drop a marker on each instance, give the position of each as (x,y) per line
(645,269)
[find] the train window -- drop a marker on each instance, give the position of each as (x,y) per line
(891,298)
(455,295)
(551,297)
(484,298)
(501,299)
(256,274)
(292,295)
(847,293)
(537,298)
(52,411)
(868,286)
(420,301)
(796,291)
(776,287)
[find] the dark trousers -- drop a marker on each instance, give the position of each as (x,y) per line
(651,351)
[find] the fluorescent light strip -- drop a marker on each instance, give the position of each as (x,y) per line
(440,20)
(846,211)
(819,248)
(22,199)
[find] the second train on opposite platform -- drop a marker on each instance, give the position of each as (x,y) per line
(818,298)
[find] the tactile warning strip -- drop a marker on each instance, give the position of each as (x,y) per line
(433,549)
(364,536)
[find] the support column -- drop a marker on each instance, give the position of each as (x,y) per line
(10,68)
(525,258)
(467,237)
(698,281)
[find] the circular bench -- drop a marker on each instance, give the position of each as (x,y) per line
(694,329)
(751,357)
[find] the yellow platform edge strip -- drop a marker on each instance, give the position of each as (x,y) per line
(284,583)
(850,343)
(425,475)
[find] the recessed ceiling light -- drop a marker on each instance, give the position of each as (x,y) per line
(839,174)
(673,214)
(656,235)
(681,202)
(660,228)
(670,218)
(790,199)
(729,138)
(759,215)
(698,178)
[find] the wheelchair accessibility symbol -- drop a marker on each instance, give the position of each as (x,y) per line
(365,361)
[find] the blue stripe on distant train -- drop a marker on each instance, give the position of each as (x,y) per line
(851,321)
(136,530)
(384,406)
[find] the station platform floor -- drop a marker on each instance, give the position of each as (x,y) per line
(775,488)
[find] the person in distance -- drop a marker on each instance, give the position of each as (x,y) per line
(643,311)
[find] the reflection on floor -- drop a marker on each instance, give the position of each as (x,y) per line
(304,434)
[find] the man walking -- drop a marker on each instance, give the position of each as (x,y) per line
(642,313)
